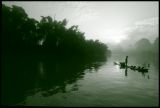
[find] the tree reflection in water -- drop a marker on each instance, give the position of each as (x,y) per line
(24,76)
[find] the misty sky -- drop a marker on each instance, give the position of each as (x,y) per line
(110,22)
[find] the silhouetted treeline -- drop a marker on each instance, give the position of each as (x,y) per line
(24,35)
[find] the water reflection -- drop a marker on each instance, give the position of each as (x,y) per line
(126,71)
(24,76)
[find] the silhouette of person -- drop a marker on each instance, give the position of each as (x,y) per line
(126,61)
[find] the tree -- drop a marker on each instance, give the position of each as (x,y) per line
(45,37)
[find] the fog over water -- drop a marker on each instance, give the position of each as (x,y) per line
(105,54)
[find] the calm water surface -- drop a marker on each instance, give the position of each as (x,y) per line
(74,83)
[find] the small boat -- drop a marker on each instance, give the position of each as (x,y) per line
(138,68)
(116,63)
(121,64)
(142,69)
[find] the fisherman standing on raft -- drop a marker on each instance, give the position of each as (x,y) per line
(126,61)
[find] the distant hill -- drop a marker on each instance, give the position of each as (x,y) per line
(156,45)
(140,46)
(143,45)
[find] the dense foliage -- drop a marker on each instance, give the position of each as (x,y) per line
(24,35)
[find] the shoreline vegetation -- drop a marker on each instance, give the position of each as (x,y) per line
(43,53)
(48,37)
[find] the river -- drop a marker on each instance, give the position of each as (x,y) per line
(74,83)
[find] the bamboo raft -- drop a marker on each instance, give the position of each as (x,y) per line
(138,68)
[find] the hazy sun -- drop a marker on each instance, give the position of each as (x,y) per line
(115,35)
